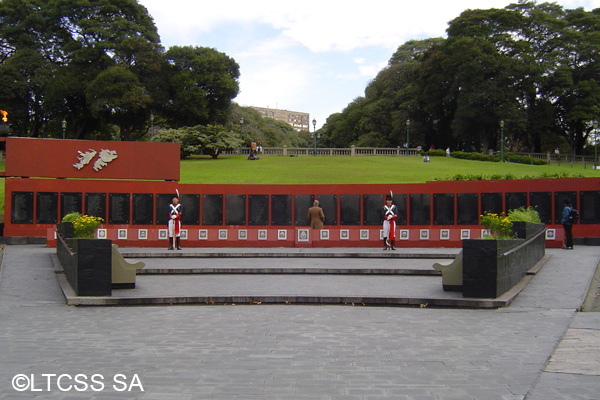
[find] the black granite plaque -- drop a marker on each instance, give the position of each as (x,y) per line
(542,203)
(22,208)
(328,202)
(162,208)
(143,209)
(212,209)
(69,203)
(191,208)
(420,209)
(350,209)
(559,198)
(235,209)
(467,209)
(372,205)
(401,203)
(443,209)
(95,205)
(258,209)
(515,201)
(491,203)
(281,206)
(118,208)
(47,208)
(302,202)
(590,207)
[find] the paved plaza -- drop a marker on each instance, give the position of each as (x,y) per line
(538,348)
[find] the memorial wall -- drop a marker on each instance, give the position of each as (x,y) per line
(136,211)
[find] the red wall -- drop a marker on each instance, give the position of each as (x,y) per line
(31,157)
(451,187)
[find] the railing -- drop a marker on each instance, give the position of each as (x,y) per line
(329,151)
(383,151)
(564,158)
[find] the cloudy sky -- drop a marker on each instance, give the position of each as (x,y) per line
(309,56)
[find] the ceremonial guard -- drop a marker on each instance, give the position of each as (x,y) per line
(389,213)
(174,224)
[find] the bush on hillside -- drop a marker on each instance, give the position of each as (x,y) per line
(474,156)
(520,159)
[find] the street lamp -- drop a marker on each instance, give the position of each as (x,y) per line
(502,140)
(64,127)
(241,132)
(407,135)
(314,137)
(151,124)
(595,144)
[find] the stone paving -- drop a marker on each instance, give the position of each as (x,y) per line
(294,351)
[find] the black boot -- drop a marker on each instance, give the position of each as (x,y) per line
(178,241)
(170,244)
(384,243)
(393,243)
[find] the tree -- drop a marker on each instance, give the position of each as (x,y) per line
(206,139)
(71,43)
(117,95)
(202,83)
(379,118)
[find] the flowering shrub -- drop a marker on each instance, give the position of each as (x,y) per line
(498,224)
(84,226)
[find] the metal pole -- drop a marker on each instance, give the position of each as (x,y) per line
(241,133)
(502,140)
(407,136)
(595,145)
(314,137)
(64,127)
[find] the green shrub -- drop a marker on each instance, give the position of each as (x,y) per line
(71,217)
(435,153)
(474,156)
(523,214)
(520,159)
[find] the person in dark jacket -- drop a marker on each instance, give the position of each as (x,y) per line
(567,225)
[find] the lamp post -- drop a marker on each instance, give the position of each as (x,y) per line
(596,144)
(241,133)
(64,127)
(151,124)
(407,135)
(502,140)
(314,137)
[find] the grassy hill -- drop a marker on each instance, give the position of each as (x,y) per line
(365,169)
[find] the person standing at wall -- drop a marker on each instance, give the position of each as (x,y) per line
(174,224)
(316,216)
(389,213)
(567,224)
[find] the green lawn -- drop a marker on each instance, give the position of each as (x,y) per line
(349,170)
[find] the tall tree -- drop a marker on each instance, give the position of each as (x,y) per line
(75,41)
(202,83)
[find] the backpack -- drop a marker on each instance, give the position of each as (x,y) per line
(573,215)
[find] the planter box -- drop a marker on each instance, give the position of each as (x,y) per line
(525,230)
(492,267)
(86,263)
